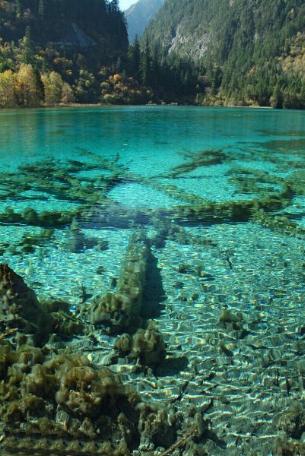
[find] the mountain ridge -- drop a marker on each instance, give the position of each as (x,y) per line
(139,15)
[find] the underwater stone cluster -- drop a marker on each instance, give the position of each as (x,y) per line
(57,402)
(19,306)
(61,403)
(21,310)
(146,346)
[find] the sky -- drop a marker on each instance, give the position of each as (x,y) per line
(126,3)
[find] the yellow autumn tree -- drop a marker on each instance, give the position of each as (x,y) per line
(53,85)
(67,95)
(28,88)
(7,89)
(55,89)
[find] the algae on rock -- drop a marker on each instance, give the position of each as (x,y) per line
(146,346)
(21,309)
(61,404)
(121,311)
(19,306)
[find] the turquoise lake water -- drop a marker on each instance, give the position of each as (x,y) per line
(123,169)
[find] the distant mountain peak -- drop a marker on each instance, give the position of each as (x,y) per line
(139,15)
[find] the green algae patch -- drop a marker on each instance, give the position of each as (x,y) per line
(258,182)
(46,219)
(291,146)
(279,223)
(232,211)
(291,424)
(198,160)
(297,182)
(61,182)
(28,243)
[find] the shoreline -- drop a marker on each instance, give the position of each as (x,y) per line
(171,105)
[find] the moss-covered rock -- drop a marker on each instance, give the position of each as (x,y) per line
(78,242)
(146,346)
(63,398)
(121,311)
(19,306)
(61,404)
(198,160)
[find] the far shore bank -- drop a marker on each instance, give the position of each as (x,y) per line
(173,104)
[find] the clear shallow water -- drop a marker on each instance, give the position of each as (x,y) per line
(135,132)
(116,161)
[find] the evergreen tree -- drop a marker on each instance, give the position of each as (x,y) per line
(276,100)
(146,64)
(26,54)
(18,9)
(41,8)
(114,6)
(134,59)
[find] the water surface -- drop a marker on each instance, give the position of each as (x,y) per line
(140,166)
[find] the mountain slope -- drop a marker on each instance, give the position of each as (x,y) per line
(65,22)
(247,46)
(139,15)
(76,40)
(183,27)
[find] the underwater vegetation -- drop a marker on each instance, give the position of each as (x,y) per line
(91,201)
(146,346)
(198,160)
(56,402)
(62,392)
(121,310)
(20,309)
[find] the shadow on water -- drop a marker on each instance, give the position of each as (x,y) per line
(218,441)
(172,366)
(154,294)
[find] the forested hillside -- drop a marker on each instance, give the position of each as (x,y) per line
(63,51)
(246,51)
(60,50)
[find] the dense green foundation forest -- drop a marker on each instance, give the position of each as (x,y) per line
(219,52)
(62,51)
(248,52)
